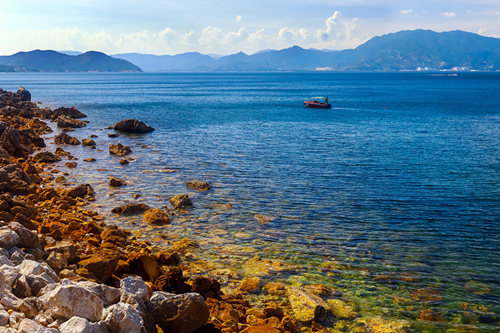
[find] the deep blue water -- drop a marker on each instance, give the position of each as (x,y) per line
(401,177)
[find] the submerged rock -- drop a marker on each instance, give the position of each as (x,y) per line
(181,201)
(131,209)
(198,185)
(156,216)
(306,307)
(178,313)
(119,149)
(251,284)
(132,126)
(116,182)
(341,309)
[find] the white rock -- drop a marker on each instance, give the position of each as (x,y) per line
(4,317)
(8,274)
(68,300)
(31,326)
(8,238)
(27,238)
(108,295)
(81,325)
(9,300)
(39,274)
(4,260)
(133,287)
(123,318)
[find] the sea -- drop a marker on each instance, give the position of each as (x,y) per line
(392,197)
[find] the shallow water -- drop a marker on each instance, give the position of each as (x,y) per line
(392,197)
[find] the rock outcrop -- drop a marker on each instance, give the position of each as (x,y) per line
(132,126)
(198,185)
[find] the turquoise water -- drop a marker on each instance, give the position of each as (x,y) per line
(391,195)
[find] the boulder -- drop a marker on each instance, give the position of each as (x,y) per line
(27,238)
(23,94)
(306,307)
(81,325)
(197,185)
(88,143)
(68,300)
(57,261)
(109,295)
(14,179)
(119,149)
(46,157)
(123,318)
(8,238)
(116,182)
(10,141)
(30,326)
(65,139)
(4,317)
(132,126)
(181,201)
(39,274)
(156,216)
(133,287)
(144,265)
(66,248)
(80,191)
(101,267)
(67,122)
(8,275)
(67,112)
(131,209)
(183,313)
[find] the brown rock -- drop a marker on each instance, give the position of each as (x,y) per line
(113,135)
(173,282)
(88,143)
(119,149)
(65,139)
(251,284)
(67,122)
(198,185)
(124,162)
(101,267)
(156,216)
(116,182)
(145,266)
(46,157)
(131,209)
(90,159)
(67,112)
(206,287)
(10,141)
(71,165)
(181,201)
(80,191)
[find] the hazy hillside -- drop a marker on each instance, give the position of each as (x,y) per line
(404,50)
(52,61)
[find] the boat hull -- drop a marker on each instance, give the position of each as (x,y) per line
(316,105)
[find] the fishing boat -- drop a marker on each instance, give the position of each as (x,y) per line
(318,103)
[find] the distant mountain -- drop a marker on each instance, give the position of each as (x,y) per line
(52,61)
(404,50)
(5,68)
(155,63)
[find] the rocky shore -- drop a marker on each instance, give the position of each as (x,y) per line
(63,269)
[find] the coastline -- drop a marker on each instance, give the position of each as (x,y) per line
(227,313)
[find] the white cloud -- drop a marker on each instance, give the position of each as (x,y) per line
(406,11)
(239,18)
(449,14)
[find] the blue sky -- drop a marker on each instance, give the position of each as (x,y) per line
(228,26)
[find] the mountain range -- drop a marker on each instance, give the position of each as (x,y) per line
(400,51)
(404,50)
(52,61)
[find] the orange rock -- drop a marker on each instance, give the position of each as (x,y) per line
(251,284)
(156,216)
(145,266)
(102,268)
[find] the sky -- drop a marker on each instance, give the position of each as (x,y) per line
(228,26)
